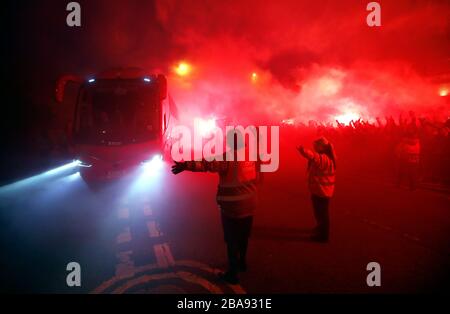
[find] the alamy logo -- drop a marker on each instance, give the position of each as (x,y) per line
(74,17)
(374,277)
(374,17)
(249,144)
(73,279)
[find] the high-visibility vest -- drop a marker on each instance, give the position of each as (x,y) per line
(321,176)
(237,189)
(237,182)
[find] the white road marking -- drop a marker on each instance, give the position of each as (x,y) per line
(194,264)
(141,280)
(124,236)
(206,284)
(153,230)
(164,256)
(185,276)
(123,213)
(153,267)
(411,237)
(387,228)
(125,267)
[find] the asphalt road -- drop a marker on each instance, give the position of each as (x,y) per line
(161,233)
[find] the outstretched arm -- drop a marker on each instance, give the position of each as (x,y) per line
(207,166)
(178,167)
(308,154)
(200,166)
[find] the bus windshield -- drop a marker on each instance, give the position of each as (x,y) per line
(118,112)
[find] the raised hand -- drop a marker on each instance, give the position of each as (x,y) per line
(301,149)
(178,167)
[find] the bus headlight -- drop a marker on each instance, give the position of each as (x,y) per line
(81,163)
(153,164)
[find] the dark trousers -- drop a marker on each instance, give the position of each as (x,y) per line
(320,206)
(236,233)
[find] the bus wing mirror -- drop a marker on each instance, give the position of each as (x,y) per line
(61,86)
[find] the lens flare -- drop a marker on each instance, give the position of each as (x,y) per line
(205,127)
(147,179)
(183,69)
(80,163)
(347,117)
(43,177)
(254,77)
(153,165)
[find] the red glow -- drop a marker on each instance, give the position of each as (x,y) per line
(255,74)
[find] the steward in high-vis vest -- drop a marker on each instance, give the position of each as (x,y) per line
(237,200)
(321,180)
